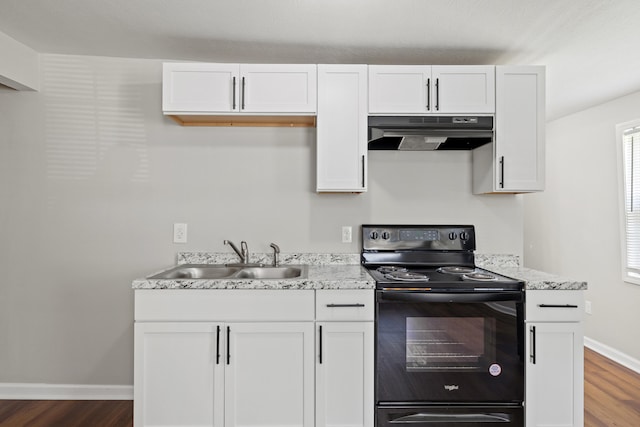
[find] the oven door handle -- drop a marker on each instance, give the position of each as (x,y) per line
(429,296)
(496,417)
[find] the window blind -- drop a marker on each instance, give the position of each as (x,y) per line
(631,153)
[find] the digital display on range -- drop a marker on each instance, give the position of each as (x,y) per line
(420,235)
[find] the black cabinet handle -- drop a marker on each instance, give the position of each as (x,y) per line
(532,334)
(344,305)
(437,94)
(501,171)
(228,345)
(428,94)
(243,90)
(363,166)
(320,344)
(218,345)
(557,306)
(234,94)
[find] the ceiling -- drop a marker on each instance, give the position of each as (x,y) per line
(588,46)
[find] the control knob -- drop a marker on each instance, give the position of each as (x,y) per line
(464,235)
(386,235)
(453,235)
(373,235)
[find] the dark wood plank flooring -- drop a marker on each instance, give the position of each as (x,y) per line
(66,413)
(612,399)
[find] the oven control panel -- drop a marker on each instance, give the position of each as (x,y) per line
(419,237)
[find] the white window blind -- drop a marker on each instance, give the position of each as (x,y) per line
(631,216)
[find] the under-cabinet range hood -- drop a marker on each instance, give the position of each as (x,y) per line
(428,133)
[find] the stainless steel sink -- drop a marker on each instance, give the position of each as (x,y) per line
(208,272)
(197,271)
(268,273)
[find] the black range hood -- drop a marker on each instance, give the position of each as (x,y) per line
(428,133)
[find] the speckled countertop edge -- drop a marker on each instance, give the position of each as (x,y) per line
(509,265)
(340,271)
(324,271)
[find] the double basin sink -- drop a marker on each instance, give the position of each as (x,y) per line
(236,271)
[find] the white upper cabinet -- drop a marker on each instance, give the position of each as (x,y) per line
(199,87)
(209,88)
(514,163)
(438,89)
(401,89)
(278,88)
(464,89)
(342,128)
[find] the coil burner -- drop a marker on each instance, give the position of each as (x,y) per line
(480,277)
(407,276)
(456,269)
(386,269)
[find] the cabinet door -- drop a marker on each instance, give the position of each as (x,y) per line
(200,88)
(344,374)
(178,378)
(401,89)
(555,375)
(461,89)
(269,375)
(514,163)
(278,88)
(520,128)
(342,128)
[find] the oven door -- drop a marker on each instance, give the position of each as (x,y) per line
(449,347)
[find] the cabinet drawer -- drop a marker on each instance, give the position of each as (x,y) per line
(345,305)
(554,306)
(227,305)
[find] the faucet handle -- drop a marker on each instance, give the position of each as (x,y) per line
(276,254)
(245,250)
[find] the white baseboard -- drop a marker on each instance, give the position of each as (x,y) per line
(613,354)
(29,391)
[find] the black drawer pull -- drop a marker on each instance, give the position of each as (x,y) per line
(344,305)
(557,306)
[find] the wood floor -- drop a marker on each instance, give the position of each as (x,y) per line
(612,399)
(66,413)
(611,393)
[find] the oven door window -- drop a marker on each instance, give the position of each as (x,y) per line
(449,351)
(450,344)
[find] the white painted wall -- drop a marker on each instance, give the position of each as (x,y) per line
(92,177)
(572,229)
(19,66)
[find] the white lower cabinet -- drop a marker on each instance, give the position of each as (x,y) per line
(251,358)
(344,374)
(554,394)
(177,380)
(269,375)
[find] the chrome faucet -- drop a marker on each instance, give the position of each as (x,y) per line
(276,254)
(243,252)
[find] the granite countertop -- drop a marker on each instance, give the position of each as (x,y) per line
(325,271)
(509,265)
(340,271)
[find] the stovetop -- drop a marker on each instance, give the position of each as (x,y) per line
(428,257)
(465,278)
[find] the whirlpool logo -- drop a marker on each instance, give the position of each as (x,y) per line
(451,387)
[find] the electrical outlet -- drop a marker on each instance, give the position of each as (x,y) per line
(179,233)
(587,307)
(346,234)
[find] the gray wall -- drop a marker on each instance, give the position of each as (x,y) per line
(92,177)
(573,228)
